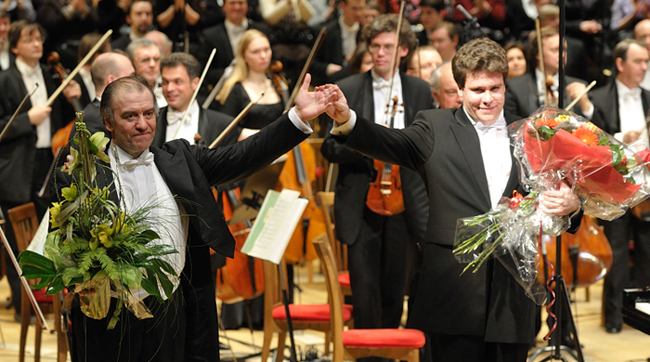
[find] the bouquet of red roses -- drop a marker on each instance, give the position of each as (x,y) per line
(552,146)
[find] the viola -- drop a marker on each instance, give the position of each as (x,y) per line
(242,278)
(385,196)
(586,255)
(62,135)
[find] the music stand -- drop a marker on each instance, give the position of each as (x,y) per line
(254,191)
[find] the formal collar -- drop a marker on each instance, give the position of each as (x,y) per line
(623,91)
(379,82)
(26,70)
(232,28)
(174,116)
(499,123)
(346,29)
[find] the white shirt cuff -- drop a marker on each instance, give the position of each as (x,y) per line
(589,114)
(345,128)
(303,126)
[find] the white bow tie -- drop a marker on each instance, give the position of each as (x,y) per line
(381,84)
(632,93)
(499,125)
(132,163)
(175,116)
(32,72)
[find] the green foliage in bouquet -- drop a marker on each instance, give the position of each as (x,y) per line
(92,241)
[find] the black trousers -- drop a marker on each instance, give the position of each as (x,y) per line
(157,339)
(378,268)
(619,232)
(451,348)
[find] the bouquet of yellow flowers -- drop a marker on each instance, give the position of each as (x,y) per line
(95,249)
(552,146)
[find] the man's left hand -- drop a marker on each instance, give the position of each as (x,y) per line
(310,105)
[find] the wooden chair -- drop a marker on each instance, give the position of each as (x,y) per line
(24,222)
(303,316)
(339,249)
(401,344)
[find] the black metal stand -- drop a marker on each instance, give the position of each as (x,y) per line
(562,304)
(285,301)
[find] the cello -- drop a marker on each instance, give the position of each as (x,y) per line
(586,255)
(242,278)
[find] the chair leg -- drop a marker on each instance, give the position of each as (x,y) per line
(266,345)
(37,340)
(282,336)
(61,336)
(328,339)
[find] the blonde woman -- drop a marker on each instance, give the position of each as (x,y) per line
(249,79)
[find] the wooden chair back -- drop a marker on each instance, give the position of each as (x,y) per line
(339,249)
(25,223)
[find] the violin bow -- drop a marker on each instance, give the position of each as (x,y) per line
(217,87)
(393,59)
(66,81)
(236,120)
(20,108)
(196,92)
(310,59)
(540,53)
(587,89)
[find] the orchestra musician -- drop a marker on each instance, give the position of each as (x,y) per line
(26,149)
(378,245)
(180,77)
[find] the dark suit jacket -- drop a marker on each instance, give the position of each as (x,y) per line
(211,124)
(522,98)
(121,42)
(356,170)
(217,37)
(605,100)
(85,98)
(18,148)
(443,146)
(190,171)
(331,51)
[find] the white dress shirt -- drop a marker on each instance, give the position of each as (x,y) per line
(630,112)
(495,150)
(383,100)
(235,33)
(4,55)
(349,36)
(88,82)
(188,129)
(140,184)
(32,76)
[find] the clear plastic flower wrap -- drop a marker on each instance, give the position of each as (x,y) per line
(552,146)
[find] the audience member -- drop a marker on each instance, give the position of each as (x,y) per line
(516,55)
(431,14)
(423,61)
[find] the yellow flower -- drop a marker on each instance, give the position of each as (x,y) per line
(70,193)
(100,141)
(102,234)
(54,212)
(563,118)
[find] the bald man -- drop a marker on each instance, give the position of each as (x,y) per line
(106,68)
(444,88)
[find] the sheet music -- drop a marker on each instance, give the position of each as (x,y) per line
(274,225)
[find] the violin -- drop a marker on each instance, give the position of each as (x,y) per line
(279,81)
(62,135)
(242,278)
(385,195)
(586,255)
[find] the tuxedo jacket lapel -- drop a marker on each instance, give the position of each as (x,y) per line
(367,98)
(470,145)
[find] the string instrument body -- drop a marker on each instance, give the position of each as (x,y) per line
(587,251)
(298,173)
(242,277)
(385,195)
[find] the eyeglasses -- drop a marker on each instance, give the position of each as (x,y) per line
(388,48)
(31,40)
